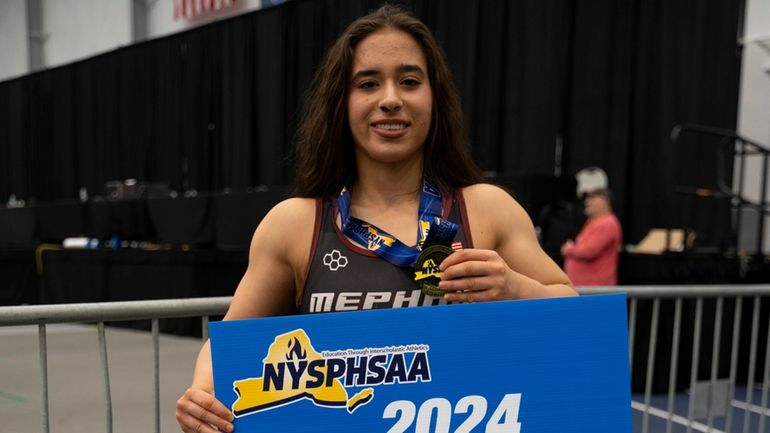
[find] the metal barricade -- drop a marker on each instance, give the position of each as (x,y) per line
(718,416)
(647,299)
(101,312)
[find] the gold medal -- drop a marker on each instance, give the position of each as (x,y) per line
(426,270)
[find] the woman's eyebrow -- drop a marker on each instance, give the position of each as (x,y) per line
(365,73)
(411,68)
(401,69)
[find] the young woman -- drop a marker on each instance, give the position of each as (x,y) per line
(383,173)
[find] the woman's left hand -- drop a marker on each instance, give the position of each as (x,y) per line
(475,275)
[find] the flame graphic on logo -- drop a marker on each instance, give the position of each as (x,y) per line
(296,352)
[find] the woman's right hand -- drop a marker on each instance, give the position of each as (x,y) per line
(197,411)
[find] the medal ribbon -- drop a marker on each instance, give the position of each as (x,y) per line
(431,228)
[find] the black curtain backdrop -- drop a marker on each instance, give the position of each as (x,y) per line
(216,107)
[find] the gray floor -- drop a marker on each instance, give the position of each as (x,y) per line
(658,418)
(76,392)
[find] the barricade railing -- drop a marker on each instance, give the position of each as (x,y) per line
(719,415)
(642,300)
(101,312)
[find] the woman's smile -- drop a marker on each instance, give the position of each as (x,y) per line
(392,129)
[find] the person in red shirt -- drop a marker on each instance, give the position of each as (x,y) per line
(592,259)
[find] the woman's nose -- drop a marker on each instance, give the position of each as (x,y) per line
(391,101)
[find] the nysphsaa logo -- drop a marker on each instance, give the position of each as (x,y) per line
(294,370)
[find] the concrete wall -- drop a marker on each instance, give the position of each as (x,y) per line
(754,107)
(13,38)
(78,29)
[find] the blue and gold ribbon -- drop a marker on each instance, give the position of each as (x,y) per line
(431,228)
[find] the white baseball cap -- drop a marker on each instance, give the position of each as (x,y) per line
(590,179)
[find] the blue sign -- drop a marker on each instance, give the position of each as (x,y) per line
(543,365)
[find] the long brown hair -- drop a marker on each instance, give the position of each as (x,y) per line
(324,152)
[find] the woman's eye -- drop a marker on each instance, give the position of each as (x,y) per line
(367,85)
(410,82)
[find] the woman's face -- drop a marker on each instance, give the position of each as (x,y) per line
(595,204)
(389,98)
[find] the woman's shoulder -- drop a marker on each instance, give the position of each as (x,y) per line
(288,227)
(488,196)
(484,191)
(290,216)
(295,207)
(608,222)
(492,204)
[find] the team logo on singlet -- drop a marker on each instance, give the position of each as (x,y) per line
(335,260)
(293,370)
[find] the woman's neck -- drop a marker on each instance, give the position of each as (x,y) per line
(388,185)
(388,196)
